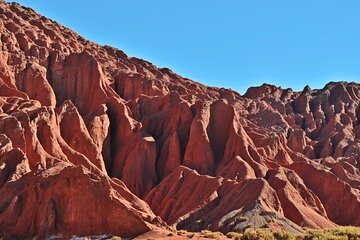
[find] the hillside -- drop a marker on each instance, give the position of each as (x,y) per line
(95,142)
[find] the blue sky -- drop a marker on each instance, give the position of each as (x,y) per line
(232,44)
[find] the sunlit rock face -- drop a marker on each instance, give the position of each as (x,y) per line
(95,142)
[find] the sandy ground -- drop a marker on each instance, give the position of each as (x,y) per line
(166,234)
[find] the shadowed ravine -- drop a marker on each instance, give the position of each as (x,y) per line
(95,142)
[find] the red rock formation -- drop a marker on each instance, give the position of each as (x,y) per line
(86,125)
(44,166)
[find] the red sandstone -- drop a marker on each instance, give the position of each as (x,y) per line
(93,141)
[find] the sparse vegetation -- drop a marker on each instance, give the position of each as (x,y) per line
(258,234)
(282,235)
(339,233)
(212,235)
(234,235)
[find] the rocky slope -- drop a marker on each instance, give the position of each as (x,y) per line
(93,141)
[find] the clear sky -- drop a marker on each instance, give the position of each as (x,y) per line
(226,43)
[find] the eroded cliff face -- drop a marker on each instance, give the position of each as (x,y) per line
(93,141)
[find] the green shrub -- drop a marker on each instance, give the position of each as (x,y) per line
(250,235)
(212,235)
(282,235)
(264,235)
(234,235)
(339,233)
(351,232)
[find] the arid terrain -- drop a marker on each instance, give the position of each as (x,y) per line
(95,142)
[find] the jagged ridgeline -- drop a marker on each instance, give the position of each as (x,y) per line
(95,142)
